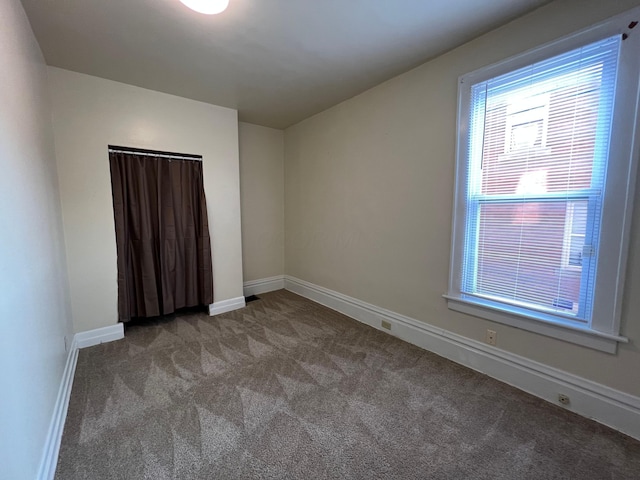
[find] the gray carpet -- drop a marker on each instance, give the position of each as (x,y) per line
(288,389)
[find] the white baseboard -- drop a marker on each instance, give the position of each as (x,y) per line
(606,405)
(54,435)
(263,285)
(224,306)
(99,335)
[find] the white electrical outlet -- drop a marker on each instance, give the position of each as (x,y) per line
(492,337)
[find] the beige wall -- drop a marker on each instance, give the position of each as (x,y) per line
(262,200)
(90,113)
(34,308)
(369,192)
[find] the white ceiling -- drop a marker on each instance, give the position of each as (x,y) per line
(276,61)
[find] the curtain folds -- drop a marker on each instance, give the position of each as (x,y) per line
(162,235)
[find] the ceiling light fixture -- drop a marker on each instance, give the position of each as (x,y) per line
(208,7)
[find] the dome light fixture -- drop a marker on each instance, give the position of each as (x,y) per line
(208,7)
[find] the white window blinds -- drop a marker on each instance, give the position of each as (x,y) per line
(538,146)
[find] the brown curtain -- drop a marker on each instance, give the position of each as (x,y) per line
(162,234)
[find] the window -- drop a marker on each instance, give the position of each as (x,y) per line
(545,166)
(527,122)
(575,226)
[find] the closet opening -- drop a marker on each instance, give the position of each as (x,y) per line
(162,232)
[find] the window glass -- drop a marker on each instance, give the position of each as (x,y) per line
(537,163)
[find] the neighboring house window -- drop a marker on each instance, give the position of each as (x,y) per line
(544,174)
(527,122)
(575,226)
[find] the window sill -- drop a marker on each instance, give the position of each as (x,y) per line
(564,331)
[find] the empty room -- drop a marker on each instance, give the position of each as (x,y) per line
(300,239)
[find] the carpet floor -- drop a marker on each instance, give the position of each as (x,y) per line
(288,389)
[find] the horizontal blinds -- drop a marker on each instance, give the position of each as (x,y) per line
(537,151)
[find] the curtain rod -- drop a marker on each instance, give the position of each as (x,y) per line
(154,153)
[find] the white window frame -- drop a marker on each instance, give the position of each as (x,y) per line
(603,330)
